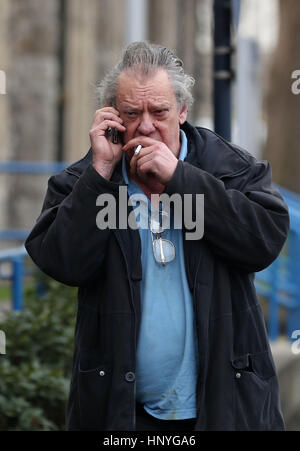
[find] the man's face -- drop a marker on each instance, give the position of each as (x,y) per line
(149,108)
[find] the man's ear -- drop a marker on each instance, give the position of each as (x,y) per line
(183,114)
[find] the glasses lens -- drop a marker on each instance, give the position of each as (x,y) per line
(159,221)
(164,250)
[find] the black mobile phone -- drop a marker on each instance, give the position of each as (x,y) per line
(114,135)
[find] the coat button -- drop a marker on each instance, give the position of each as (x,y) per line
(238,375)
(130,377)
(101,373)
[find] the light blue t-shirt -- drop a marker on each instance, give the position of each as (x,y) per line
(166,371)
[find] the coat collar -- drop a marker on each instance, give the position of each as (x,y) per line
(210,152)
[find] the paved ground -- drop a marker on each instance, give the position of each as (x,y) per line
(288,366)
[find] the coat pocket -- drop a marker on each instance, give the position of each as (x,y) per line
(254,375)
(93,390)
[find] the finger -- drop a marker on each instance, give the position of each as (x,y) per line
(141,162)
(133,163)
(109,109)
(103,126)
(134,158)
(143,151)
(145,167)
(146,152)
(99,113)
(104,115)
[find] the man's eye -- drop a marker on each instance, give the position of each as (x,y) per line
(131,113)
(160,112)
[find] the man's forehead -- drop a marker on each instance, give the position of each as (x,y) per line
(155,86)
(156,102)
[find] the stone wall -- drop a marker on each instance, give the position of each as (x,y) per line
(54,52)
(30,119)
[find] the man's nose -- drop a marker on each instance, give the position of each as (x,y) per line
(146,126)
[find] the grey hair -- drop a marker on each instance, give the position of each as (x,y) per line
(146,58)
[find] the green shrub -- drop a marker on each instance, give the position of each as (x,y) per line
(36,369)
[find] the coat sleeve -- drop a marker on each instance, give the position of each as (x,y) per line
(65,242)
(246,225)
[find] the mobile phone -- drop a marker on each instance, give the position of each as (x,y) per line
(114,135)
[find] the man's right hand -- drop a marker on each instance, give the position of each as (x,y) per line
(105,154)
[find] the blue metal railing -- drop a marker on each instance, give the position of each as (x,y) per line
(32,167)
(15,256)
(279,283)
(14,234)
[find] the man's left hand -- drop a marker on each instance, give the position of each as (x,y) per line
(155,160)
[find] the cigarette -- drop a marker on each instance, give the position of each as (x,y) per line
(137,149)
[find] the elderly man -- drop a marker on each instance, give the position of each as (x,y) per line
(169,332)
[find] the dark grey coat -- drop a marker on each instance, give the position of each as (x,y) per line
(246,224)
